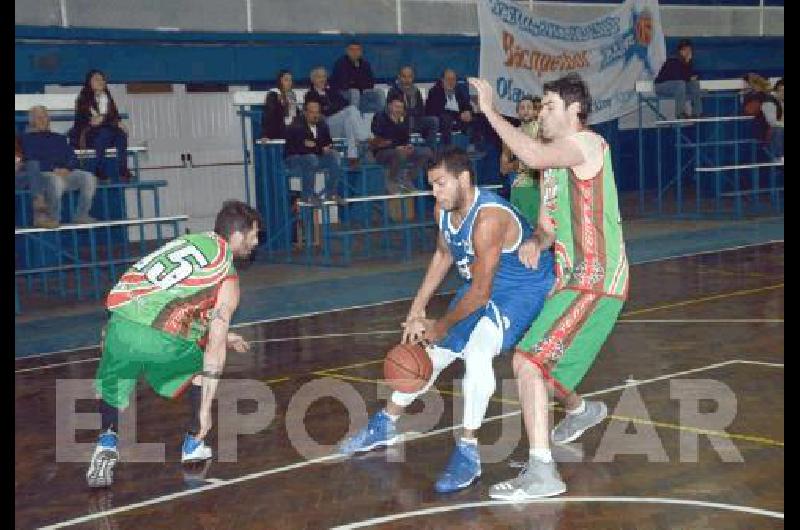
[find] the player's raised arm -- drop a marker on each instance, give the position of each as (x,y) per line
(214,358)
(536,154)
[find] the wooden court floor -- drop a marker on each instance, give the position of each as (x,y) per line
(706,321)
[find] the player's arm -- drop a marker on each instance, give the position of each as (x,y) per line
(216,349)
(543,238)
(440,264)
(488,235)
(535,153)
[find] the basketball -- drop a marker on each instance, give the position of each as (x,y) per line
(407,367)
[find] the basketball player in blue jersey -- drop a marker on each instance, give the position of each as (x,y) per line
(499,300)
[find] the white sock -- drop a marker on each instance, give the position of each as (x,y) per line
(580,410)
(391,417)
(473,441)
(541,454)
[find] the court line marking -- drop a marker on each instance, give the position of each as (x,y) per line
(390,332)
(305,463)
(553,405)
(375,304)
(691,301)
(559,500)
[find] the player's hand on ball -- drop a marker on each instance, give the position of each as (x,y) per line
(238,344)
(529,252)
(413,330)
(485,93)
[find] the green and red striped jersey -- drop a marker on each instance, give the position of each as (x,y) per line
(589,247)
(174,288)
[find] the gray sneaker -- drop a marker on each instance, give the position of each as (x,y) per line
(573,425)
(537,479)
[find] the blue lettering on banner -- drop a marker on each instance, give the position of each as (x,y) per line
(506,90)
(537,27)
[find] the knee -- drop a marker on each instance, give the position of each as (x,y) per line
(480,379)
(680,88)
(524,368)
(88,181)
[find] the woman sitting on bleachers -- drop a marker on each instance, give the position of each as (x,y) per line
(98,124)
(280,108)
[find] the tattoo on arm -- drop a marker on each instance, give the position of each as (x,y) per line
(219,313)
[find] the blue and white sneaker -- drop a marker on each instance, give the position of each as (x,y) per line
(101,468)
(194,450)
(380,431)
(462,470)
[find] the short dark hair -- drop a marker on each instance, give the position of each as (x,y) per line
(396,97)
(236,216)
(572,89)
(778,84)
(311,97)
(684,43)
(354,43)
(532,99)
(454,160)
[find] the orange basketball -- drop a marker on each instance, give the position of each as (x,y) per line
(407,367)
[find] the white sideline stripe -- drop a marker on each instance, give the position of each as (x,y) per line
(740,166)
(55,365)
(215,483)
(762,363)
(297,465)
(122,222)
(395,196)
(85,153)
(704,120)
(559,500)
(386,302)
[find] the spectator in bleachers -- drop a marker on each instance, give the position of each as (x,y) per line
(352,77)
(772,109)
(343,119)
(280,108)
(524,181)
(98,124)
(28,175)
(392,147)
(678,79)
(309,148)
(405,88)
(58,165)
(450,103)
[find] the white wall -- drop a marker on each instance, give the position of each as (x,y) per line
(203,124)
(366,16)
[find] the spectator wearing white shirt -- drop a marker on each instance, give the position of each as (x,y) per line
(773,109)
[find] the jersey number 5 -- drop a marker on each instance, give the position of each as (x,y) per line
(183,270)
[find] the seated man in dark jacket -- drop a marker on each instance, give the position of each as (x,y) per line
(343,119)
(677,79)
(352,77)
(58,165)
(392,148)
(405,88)
(450,102)
(309,148)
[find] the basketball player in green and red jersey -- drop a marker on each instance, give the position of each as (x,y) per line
(579,217)
(169,317)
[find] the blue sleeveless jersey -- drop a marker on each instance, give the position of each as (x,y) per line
(511,273)
(518,293)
